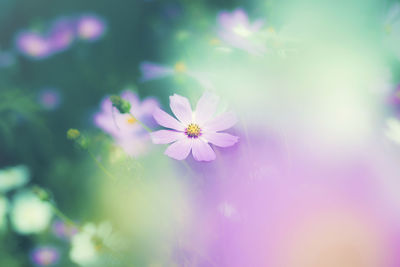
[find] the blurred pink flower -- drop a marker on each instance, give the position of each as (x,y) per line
(194,130)
(62,34)
(90,27)
(125,130)
(33,45)
(267,203)
(236,30)
(45,256)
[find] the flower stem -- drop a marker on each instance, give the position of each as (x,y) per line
(141,123)
(62,216)
(101,167)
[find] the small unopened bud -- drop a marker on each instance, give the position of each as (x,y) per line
(80,140)
(121,104)
(41,193)
(73,134)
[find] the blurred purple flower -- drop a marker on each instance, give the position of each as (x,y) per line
(266,203)
(62,34)
(236,30)
(33,45)
(152,71)
(125,130)
(63,230)
(90,27)
(194,130)
(49,99)
(45,256)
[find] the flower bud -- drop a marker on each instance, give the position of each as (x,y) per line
(80,140)
(121,104)
(73,134)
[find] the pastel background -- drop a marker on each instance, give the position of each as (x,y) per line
(285,151)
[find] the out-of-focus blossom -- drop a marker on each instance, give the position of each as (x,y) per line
(49,98)
(45,256)
(236,30)
(13,177)
(292,208)
(153,71)
(3,211)
(393,130)
(193,131)
(90,27)
(124,128)
(62,34)
(7,59)
(33,45)
(89,246)
(63,230)
(29,214)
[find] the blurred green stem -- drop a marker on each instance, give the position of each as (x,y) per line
(62,216)
(102,168)
(141,123)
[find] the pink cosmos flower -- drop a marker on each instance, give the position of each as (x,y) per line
(152,71)
(33,45)
(91,27)
(62,34)
(194,130)
(236,30)
(45,256)
(124,128)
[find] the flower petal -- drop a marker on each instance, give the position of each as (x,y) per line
(221,139)
(166,120)
(240,17)
(148,105)
(180,106)
(206,107)
(221,122)
(166,136)
(202,151)
(180,149)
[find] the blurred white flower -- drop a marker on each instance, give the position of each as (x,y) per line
(3,211)
(393,130)
(87,246)
(29,214)
(13,177)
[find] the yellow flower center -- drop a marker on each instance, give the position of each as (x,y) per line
(131,120)
(97,243)
(180,67)
(193,130)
